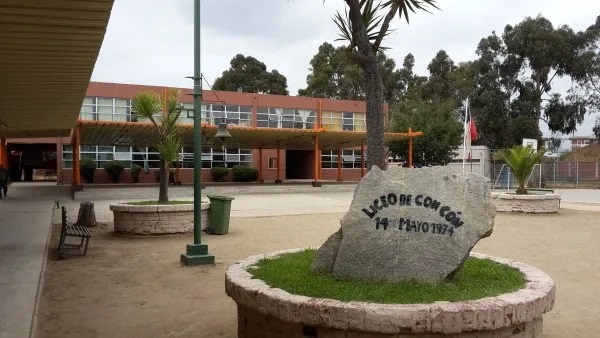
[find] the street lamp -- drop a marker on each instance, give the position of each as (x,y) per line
(197,253)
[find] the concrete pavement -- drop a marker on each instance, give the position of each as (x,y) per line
(24,229)
(25,220)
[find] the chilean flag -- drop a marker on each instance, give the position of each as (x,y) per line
(471,135)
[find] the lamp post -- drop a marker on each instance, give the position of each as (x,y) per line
(197,253)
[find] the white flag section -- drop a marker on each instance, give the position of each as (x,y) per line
(466,136)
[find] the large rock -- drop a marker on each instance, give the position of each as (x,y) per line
(409,224)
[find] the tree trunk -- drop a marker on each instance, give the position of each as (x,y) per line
(163,195)
(87,216)
(375,116)
(367,60)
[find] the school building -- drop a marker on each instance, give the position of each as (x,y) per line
(284,137)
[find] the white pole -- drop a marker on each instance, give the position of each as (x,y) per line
(465,136)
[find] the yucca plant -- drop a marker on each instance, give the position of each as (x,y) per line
(169,142)
(521,161)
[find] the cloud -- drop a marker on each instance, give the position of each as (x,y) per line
(153,44)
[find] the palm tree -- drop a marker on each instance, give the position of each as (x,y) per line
(520,160)
(162,110)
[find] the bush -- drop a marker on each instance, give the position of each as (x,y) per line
(114,170)
(244,174)
(136,170)
(219,174)
(87,168)
(171,176)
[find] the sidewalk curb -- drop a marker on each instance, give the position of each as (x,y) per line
(38,294)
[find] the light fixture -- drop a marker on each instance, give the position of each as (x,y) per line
(3,126)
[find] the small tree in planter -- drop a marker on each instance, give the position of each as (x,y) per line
(87,168)
(150,105)
(114,170)
(521,161)
(136,170)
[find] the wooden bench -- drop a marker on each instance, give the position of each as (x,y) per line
(71,230)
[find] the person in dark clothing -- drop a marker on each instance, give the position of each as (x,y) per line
(4,177)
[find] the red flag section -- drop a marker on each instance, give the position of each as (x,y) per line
(472,130)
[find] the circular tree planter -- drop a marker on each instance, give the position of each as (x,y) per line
(530,203)
(263,310)
(132,219)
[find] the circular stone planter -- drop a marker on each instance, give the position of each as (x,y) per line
(535,204)
(267,311)
(132,219)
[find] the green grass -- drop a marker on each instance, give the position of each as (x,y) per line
(156,202)
(477,279)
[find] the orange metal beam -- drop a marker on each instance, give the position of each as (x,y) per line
(260,166)
(278,179)
(3,153)
(317,159)
(339,165)
(76,156)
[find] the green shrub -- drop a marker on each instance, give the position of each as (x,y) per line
(136,170)
(244,174)
(219,174)
(87,169)
(114,170)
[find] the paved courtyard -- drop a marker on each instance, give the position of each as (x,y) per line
(141,280)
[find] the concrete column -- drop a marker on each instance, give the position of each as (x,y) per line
(260,166)
(75,143)
(278,179)
(3,153)
(317,159)
(339,166)
(362,159)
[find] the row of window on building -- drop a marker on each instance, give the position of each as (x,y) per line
(119,110)
(147,157)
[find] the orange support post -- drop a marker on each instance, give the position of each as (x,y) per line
(362,159)
(339,166)
(260,166)
(3,153)
(278,180)
(75,143)
(317,160)
(410,148)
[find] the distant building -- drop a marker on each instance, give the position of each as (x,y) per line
(581,141)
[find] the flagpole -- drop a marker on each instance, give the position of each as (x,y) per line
(465,136)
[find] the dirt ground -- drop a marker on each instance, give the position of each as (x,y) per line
(136,287)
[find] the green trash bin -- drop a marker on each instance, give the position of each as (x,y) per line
(220,208)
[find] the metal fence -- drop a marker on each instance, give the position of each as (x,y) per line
(556,174)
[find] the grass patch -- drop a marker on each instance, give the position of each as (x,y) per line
(477,279)
(156,202)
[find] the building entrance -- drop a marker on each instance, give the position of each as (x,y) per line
(32,162)
(299,164)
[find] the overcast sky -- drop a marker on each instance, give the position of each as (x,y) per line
(153,44)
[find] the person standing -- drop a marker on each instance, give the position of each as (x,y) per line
(4,177)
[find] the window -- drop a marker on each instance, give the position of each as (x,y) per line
(216,157)
(286,118)
(233,115)
(350,159)
(272,162)
(106,109)
(141,156)
(343,121)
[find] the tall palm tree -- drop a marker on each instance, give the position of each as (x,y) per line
(520,160)
(162,110)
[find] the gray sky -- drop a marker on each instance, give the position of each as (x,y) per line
(153,44)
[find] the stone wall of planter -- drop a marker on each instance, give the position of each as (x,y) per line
(536,204)
(156,219)
(267,311)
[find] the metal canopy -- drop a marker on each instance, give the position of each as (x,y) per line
(143,134)
(47,54)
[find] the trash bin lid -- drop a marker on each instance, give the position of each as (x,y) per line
(224,198)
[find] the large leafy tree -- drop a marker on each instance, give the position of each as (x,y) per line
(433,105)
(515,74)
(333,74)
(249,75)
(162,110)
(363,27)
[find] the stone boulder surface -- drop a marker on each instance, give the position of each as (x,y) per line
(408,223)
